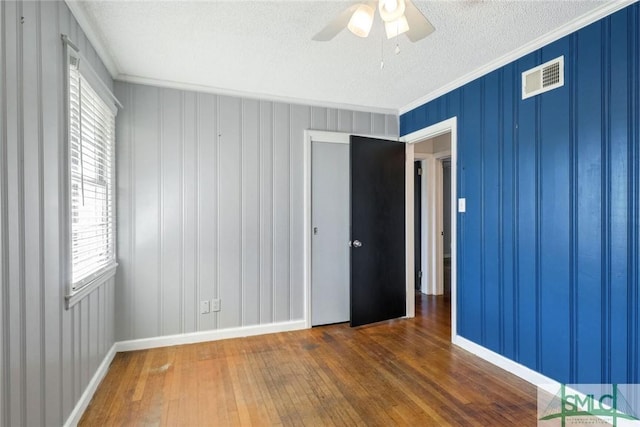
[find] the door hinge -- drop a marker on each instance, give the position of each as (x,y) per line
(419,171)
(420,273)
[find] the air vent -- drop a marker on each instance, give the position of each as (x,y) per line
(543,78)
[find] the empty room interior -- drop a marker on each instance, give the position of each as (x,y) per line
(395,212)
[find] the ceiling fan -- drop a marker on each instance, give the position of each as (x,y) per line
(399,17)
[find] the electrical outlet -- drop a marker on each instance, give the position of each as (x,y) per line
(215,304)
(204,307)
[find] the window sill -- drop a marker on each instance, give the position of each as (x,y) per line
(77,296)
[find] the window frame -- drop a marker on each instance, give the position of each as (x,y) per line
(89,283)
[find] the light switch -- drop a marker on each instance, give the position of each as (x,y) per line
(462,205)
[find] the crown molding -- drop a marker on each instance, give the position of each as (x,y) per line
(78,12)
(600,12)
(251,95)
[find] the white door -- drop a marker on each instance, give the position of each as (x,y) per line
(330,233)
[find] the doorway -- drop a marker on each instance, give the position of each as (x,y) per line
(376,207)
(435,148)
(432,219)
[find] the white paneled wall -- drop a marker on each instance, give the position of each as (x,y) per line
(210,205)
(48,354)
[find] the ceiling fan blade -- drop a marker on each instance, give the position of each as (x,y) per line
(419,25)
(338,24)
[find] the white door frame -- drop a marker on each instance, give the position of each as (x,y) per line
(344,138)
(436,245)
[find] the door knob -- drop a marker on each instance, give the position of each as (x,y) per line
(357,243)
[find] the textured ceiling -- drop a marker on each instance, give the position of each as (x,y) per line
(264,48)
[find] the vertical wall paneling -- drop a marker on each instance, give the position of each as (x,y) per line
(251,229)
(189,208)
(206,199)
(210,198)
(471,275)
(300,121)
(392,125)
(161,229)
(362,123)
(378,124)
(481,226)
(548,262)
(266,214)
(634,139)
(145,154)
(589,253)
(168,176)
(49,354)
(509,205)
(491,231)
(332,119)
(345,120)
(4,250)
(15,153)
(553,222)
(319,118)
(605,81)
(53,251)
(33,233)
(281,200)
(195,177)
(527,346)
(217,201)
(571,71)
(230,201)
(125,189)
(507,210)
(618,212)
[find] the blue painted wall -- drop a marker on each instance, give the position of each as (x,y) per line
(548,248)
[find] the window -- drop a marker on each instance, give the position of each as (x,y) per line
(91,140)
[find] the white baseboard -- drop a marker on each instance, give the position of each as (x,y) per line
(500,361)
(83,402)
(535,378)
(204,336)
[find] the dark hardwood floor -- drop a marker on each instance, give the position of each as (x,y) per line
(401,372)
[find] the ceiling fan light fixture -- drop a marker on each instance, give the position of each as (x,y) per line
(361,20)
(397,27)
(391,10)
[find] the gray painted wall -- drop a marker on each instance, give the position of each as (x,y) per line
(210,204)
(48,353)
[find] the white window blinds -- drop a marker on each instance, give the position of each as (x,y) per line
(91,167)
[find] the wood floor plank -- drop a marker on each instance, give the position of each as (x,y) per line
(400,372)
